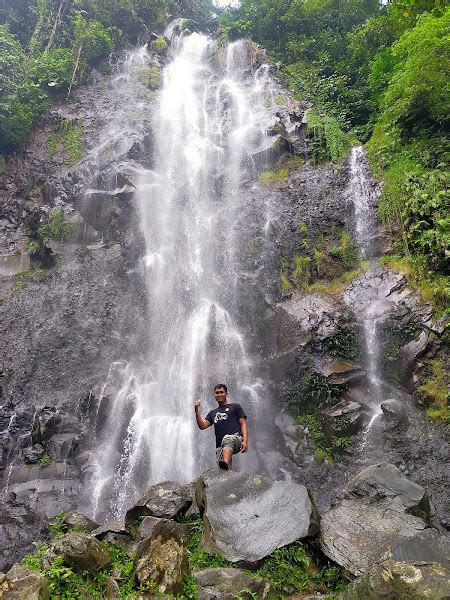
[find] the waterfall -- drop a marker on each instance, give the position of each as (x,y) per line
(207,125)
(366,233)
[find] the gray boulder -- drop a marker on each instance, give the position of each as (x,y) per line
(22,584)
(76,520)
(80,550)
(163,558)
(379,509)
(402,581)
(164,500)
(394,413)
(247,516)
(227,584)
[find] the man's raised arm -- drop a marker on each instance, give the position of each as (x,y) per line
(201,422)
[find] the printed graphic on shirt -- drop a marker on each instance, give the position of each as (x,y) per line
(220,417)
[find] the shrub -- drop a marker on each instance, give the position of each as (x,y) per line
(435,391)
(54,69)
(329,142)
(302,270)
(274,177)
(159,46)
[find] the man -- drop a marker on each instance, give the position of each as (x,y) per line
(230,426)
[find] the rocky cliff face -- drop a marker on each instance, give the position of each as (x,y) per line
(64,326)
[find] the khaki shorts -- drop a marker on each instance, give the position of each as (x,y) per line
(234,442)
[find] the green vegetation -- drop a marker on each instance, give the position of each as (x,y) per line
(68,139)
(291,569)
(159,45)
(286,286)
(199,558)
(312,392)
(45,460)
(277,176)
(66,583)
(378,72)
(302,271)
(49,46)
(329,142)
(23,279)
(296,568)
(343,344)
(435,391)
(347,252)
(150,77)
(338,284)
(431,286)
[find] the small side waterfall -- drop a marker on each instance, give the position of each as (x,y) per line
(209,121)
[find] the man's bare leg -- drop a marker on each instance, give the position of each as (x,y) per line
(227,454)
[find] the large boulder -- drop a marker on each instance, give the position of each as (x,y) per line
(247,516)
(162,559)
(228,584)
(402,580)
(22,584)
(164,500)
(379,509)
(80,550)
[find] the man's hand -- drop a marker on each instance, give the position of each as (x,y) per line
(201,422)
(244,447)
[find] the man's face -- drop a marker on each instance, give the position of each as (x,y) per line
(220,395)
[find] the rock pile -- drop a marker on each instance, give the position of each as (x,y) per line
(377,529)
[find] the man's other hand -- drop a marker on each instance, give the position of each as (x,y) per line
(244,447)
(197,403)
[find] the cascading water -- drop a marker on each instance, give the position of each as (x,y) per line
(205,129)
(366,233)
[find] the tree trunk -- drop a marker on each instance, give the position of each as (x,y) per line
(75,69)
(55,27)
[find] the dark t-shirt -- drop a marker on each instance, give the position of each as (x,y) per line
(226,420)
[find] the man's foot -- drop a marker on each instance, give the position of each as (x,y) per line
(223,465)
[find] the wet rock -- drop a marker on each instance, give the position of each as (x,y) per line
(427,546)
(302,316)
(163,559)
(226,584)
(45,424)
(405,580)
(111,527)
(394,413)
(80,550)
(345,418)
(165,500)
(32,455)
(247,516)
(341,372)
(410,352)
(296,440)
(151,526)
(76,520)
(379,508)
(23,584)
(112,590)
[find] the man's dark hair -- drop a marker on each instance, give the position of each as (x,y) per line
(221,385)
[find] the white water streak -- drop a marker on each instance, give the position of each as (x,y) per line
(204,125)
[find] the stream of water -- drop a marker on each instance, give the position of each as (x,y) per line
(207,125)
(366,234)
